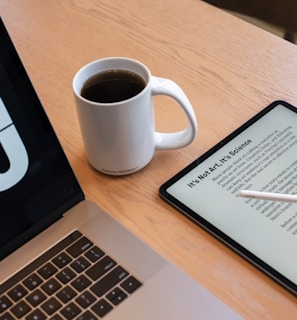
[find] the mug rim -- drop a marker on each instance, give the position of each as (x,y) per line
(110,60)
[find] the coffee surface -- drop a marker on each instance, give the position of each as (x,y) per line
(113,86)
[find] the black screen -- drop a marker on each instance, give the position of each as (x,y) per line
(36,182)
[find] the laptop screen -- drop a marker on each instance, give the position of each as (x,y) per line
(36,182)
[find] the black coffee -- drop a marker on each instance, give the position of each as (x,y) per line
(112,86)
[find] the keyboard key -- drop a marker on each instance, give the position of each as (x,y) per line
(100,268)
(101,308)
(20,309)
(131,284)
(17,292)
(66,294)
(32,281)
(36,315)
(47,270)
(79,247)
(80,264)
(36,297)
(81,283)
(71,311)
(94,254)
(51,286)
(62,259)
(66,275)
(5,303)
(87,316)
(109,281)
(51,306)
(85,299)
(6,316)
(116,296)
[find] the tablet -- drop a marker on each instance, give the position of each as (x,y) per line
(261,155)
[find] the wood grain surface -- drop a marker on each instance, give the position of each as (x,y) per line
(228,68)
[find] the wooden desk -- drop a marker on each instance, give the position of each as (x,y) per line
(228,68)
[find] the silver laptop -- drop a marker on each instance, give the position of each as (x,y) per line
(61,256)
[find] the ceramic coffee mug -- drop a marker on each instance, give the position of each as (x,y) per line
(114,100)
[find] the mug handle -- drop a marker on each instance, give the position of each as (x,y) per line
(179,139)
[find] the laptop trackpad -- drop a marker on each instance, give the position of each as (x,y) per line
(171,294)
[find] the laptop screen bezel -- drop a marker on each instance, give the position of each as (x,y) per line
(70,197)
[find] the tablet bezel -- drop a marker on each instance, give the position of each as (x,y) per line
(196,218)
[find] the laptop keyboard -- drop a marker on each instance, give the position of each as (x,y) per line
(73,280)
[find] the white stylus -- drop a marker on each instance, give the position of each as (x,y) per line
(268,196)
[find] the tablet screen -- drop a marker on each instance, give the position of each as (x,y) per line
(261,155)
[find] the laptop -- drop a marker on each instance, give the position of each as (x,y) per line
(62,257)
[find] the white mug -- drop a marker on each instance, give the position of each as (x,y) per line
(120,137)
